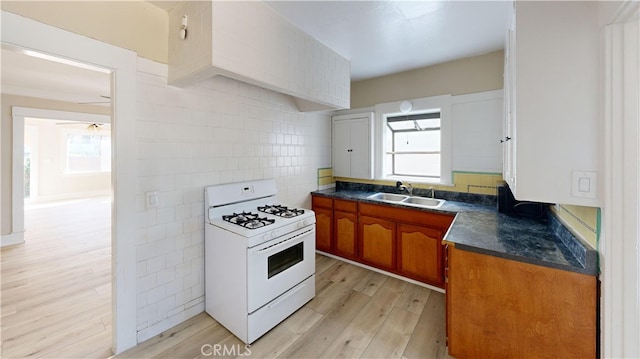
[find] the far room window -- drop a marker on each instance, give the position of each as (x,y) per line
(88,153)
(413,145)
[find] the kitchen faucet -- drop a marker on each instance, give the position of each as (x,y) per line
(432,192)
(406,187)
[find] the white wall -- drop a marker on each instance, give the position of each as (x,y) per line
(48,163)
(216,132)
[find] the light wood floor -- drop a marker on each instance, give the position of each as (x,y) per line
(356,313)
(56,303)
(56,288)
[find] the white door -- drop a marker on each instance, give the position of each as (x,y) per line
(360,148)
(341,148)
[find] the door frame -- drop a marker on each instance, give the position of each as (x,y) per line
(620,235)
(24,33)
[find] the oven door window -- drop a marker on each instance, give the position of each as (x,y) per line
(285,259)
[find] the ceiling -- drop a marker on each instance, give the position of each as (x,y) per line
(378,37)
(385,37)
(26,75)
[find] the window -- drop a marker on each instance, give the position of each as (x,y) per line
(87,153)
(413,145)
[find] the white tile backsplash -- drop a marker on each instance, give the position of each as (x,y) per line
(218,131)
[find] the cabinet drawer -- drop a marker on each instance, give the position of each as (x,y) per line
(345,206)
(321,202)
(405,215)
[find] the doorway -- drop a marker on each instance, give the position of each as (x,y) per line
(24,33)
(57,285)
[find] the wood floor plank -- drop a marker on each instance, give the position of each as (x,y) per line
(315,341)
(171,337)
(414,298)
(87,347)
(323,263)
(428,338)
(342,272)
(392,338)
(371,283)
(280,338)
(356,336)
(343,277)
(193,346)
(56,299)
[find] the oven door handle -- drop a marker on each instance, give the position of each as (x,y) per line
(276,247)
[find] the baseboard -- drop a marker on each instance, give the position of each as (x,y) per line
(68,196)
(11,239)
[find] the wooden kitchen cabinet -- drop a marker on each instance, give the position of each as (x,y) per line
(415,239)
(378,242)
(323,208)
(399,240)
(551,94)
(353,145)
(345,216)
(420,254)
(503,308)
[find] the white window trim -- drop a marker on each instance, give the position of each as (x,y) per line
(390,109)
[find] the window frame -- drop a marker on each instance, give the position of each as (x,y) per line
(393,151)
(419,106)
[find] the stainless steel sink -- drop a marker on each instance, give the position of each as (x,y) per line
(424,202)
(408,200)
(389,197)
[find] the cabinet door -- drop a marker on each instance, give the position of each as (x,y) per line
(352,145)
(555,113)
(508,140)
(519,310)
(360,148)
(342,148)
(420,254)
(324,228)
(378,242)
(345,233)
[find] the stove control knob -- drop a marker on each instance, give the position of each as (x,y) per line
(273,234)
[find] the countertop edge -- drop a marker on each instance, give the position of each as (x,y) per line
(522,259)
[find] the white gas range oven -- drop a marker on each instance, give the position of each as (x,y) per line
(259,257)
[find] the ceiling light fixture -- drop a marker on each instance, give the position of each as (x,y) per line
(61,60)
(405,106)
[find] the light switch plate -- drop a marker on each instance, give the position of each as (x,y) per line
(583,184)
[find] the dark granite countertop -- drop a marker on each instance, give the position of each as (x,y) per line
(481,228)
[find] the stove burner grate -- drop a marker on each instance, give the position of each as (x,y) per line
(281,211)
(248,220)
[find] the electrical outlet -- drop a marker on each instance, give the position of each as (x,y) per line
(152,199)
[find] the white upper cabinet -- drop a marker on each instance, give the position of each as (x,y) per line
(248,41)
(551,97)
(353,146)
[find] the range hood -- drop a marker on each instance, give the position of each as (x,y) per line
(248,41)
